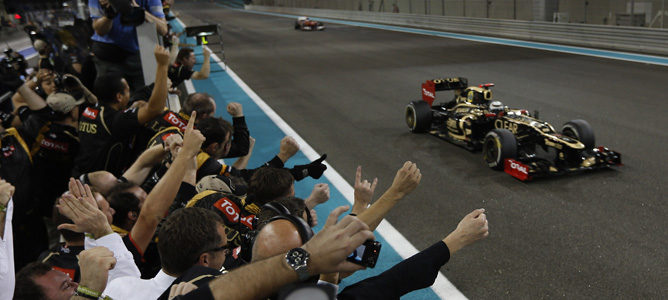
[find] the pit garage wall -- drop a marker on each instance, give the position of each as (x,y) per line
(622,38)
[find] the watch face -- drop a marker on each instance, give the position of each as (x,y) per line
(297,258)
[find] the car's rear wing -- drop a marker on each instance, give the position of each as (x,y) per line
(430,87)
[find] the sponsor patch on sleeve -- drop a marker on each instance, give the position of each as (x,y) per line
(91,113)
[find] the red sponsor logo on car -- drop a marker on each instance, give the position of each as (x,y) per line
(516,169)
(90,113)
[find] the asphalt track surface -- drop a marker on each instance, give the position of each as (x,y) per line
(594,235)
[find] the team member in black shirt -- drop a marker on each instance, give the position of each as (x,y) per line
(106,129)
(182,69)
(52,135)
(64,256)
(49,134)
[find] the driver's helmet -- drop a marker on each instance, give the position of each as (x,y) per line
(496,107)
(478,95)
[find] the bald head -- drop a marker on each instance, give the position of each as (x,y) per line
(275,238)
(202,103)
(102,181)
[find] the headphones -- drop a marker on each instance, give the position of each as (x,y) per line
(305,231)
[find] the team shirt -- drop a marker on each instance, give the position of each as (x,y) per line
(53,148)
(107,138)
(64,259)
(178,74)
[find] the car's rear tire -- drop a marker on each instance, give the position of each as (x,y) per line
(581,131)
(499,144)
(418,116)
(296,25)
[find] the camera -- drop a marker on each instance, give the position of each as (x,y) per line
(366,254)
(68,84)
(131,16)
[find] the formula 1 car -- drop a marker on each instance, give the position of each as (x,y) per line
(513,140)
(306,24)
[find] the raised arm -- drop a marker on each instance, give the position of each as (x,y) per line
(156,102)
(241,137)
(7,277)
(406,180)
(80,207)
(6,193)
(160,23)
(103,16)
(94,264)
(34,101)
(90,97)
(242,162)
(203,73)
(145,162)
(363,192)
(163,194)
(328,251)
(422,267)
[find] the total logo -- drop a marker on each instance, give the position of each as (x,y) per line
(518,167)
(428,93)
(231,212)
(174,120)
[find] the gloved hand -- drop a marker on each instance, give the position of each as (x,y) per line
(313,169)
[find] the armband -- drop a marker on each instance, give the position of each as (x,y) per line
(85,292)
(3,208)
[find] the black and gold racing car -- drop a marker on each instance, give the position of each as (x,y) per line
(513,140)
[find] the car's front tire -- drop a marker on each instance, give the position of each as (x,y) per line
(418,116)
(581,131)
(499,145)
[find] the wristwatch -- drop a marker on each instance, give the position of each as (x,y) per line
(297,259)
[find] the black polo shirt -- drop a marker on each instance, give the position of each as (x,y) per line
(64,259)
(106,137)
(53,148)
(178,74)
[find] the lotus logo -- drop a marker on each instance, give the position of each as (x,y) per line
(427,93)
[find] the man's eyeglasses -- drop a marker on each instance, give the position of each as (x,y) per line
(227,249)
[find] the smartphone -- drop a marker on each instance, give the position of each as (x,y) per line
(366,254)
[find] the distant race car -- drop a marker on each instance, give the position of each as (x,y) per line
(513,140)
(306,24)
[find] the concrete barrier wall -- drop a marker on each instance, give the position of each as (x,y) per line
(601,12)
(631,39)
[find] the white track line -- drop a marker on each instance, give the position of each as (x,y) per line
(442,286)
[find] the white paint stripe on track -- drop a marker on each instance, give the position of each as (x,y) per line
(442,286)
